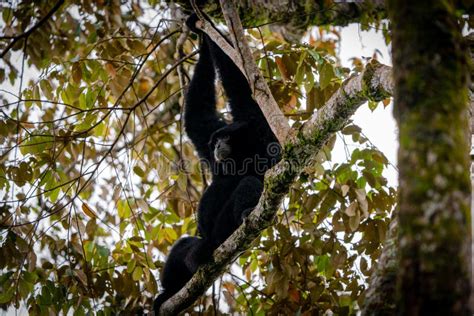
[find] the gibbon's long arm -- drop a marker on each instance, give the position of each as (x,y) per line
(235,84)
(200,115)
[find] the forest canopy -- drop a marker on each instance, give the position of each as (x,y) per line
(98,178)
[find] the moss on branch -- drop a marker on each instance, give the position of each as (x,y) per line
(299,151)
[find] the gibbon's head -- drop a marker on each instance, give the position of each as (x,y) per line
(222,148)
(229,141)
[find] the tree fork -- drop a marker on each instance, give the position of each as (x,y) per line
(299,151)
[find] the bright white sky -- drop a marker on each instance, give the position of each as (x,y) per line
(379,126)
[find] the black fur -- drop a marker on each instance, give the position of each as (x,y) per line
(170,279)
(237,181)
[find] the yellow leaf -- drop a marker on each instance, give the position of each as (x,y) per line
(88,211)
(76,72)
(110,69)
(137,273)
(144,85)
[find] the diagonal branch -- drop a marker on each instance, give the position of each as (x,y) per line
(374,83)
(297,14)
(32,29)
(260,89)
(242,56)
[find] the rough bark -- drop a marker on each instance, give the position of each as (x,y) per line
(260,89)
(298,152)
(431,106)
(298,14)
(379,298)
(470,41)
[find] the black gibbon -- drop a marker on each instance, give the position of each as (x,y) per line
(238,154)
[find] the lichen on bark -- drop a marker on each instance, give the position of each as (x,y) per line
(298,152)
(434,186)
(292,18)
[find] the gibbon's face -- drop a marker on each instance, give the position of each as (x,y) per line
(222,148)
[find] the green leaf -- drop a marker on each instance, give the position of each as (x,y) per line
(314,54)
(36,144)
(322,264)
(309,82)
(7,15)
(272,45)
(82,101)
(373,105)
(25,288)
(137,273)
(351,129)
(131,265)
(326,74)
(123,209)
(52,187)
(37,95)
(300,75)
(6,296)
(139,171)
(47,89)
(91,96)
(102,251)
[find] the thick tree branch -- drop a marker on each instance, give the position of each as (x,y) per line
(298,14)
(222,43)
(242,56)
(260,89)
(299,151)
(470,42)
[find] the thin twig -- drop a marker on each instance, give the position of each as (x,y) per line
(33,28)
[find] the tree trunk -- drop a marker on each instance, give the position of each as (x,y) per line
(470,41)
(431,106)
(380,296)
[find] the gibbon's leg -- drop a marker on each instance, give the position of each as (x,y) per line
(241,202)
(176,272)
(246,198)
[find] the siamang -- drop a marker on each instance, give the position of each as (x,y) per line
(238,154)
